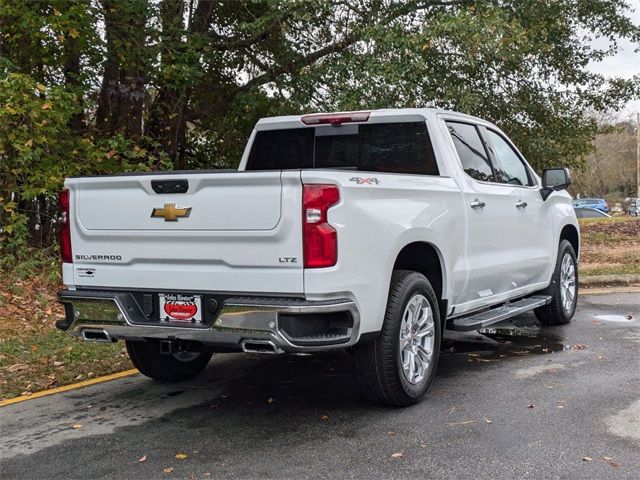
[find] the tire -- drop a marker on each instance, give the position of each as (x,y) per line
(379,363)
(559,311)
(146,357)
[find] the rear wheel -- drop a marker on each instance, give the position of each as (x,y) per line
(563,289)
(148,359)
(398,367)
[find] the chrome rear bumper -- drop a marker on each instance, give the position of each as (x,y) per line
(238,322)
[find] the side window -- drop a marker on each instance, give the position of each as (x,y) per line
(510,167)
(397,148)
(473,156)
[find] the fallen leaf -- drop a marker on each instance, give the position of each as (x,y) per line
(560,406)
(167,470)
(324,417)
(488,420)
(391,433)
(17,367)
(77,426)
(579,346)
(207,474)
(397,455)
(587,459)
(142,459)
(467,422)
(608,458)
(181,456)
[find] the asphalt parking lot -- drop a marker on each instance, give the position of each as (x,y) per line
(520,401)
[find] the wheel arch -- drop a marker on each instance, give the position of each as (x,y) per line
(570,233)
(426,258)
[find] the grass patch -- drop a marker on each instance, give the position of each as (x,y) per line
(51,359)
(34,355)
(610,246)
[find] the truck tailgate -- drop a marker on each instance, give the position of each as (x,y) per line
(231,232)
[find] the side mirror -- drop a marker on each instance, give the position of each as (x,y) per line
(553,180)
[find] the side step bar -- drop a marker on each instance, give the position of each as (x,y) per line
(497,314)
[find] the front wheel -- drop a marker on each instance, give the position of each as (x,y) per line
(148,359)
(563,289)
(398,367)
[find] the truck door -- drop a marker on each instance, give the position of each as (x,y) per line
(490,206)
(526,212)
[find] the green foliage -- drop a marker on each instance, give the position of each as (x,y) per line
(104,86)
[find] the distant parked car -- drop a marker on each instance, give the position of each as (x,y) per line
(634,207)
(599,203)
(588,212)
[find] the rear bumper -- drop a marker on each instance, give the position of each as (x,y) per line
(278,324)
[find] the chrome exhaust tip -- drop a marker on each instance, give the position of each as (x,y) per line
(260,346)
(96,335)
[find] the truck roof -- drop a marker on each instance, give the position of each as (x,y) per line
(390,114)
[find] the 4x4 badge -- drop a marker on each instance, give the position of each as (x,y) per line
(170,212)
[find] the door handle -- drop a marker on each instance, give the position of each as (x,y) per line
(477,204)
(521,204)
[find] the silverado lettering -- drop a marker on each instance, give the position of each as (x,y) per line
(98,257)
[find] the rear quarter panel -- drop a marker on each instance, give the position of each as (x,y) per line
(374,222)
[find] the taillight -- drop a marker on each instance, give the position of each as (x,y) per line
(65,229)
(335,118)
(320,238)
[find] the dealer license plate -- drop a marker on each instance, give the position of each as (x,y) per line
(177,307)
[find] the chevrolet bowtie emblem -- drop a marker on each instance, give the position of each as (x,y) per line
(170,212)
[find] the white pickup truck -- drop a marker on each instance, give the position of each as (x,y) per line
(372,231)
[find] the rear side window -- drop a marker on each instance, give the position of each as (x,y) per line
(382,147)
(471,151)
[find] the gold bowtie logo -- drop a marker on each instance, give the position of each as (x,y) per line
(171,213)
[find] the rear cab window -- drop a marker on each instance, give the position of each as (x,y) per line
(403,147)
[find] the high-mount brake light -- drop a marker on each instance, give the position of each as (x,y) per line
(65,229)
(319,238)
(335,118)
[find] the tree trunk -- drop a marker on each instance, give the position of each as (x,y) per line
(122,92)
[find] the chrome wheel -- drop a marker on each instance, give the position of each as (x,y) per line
(417,339)
(567,282)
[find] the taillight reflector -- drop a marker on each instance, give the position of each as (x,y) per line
(320,239)
(65,228)
(335,118)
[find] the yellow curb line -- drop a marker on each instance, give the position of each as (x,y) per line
(66,388)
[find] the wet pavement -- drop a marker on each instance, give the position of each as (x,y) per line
(515,401)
